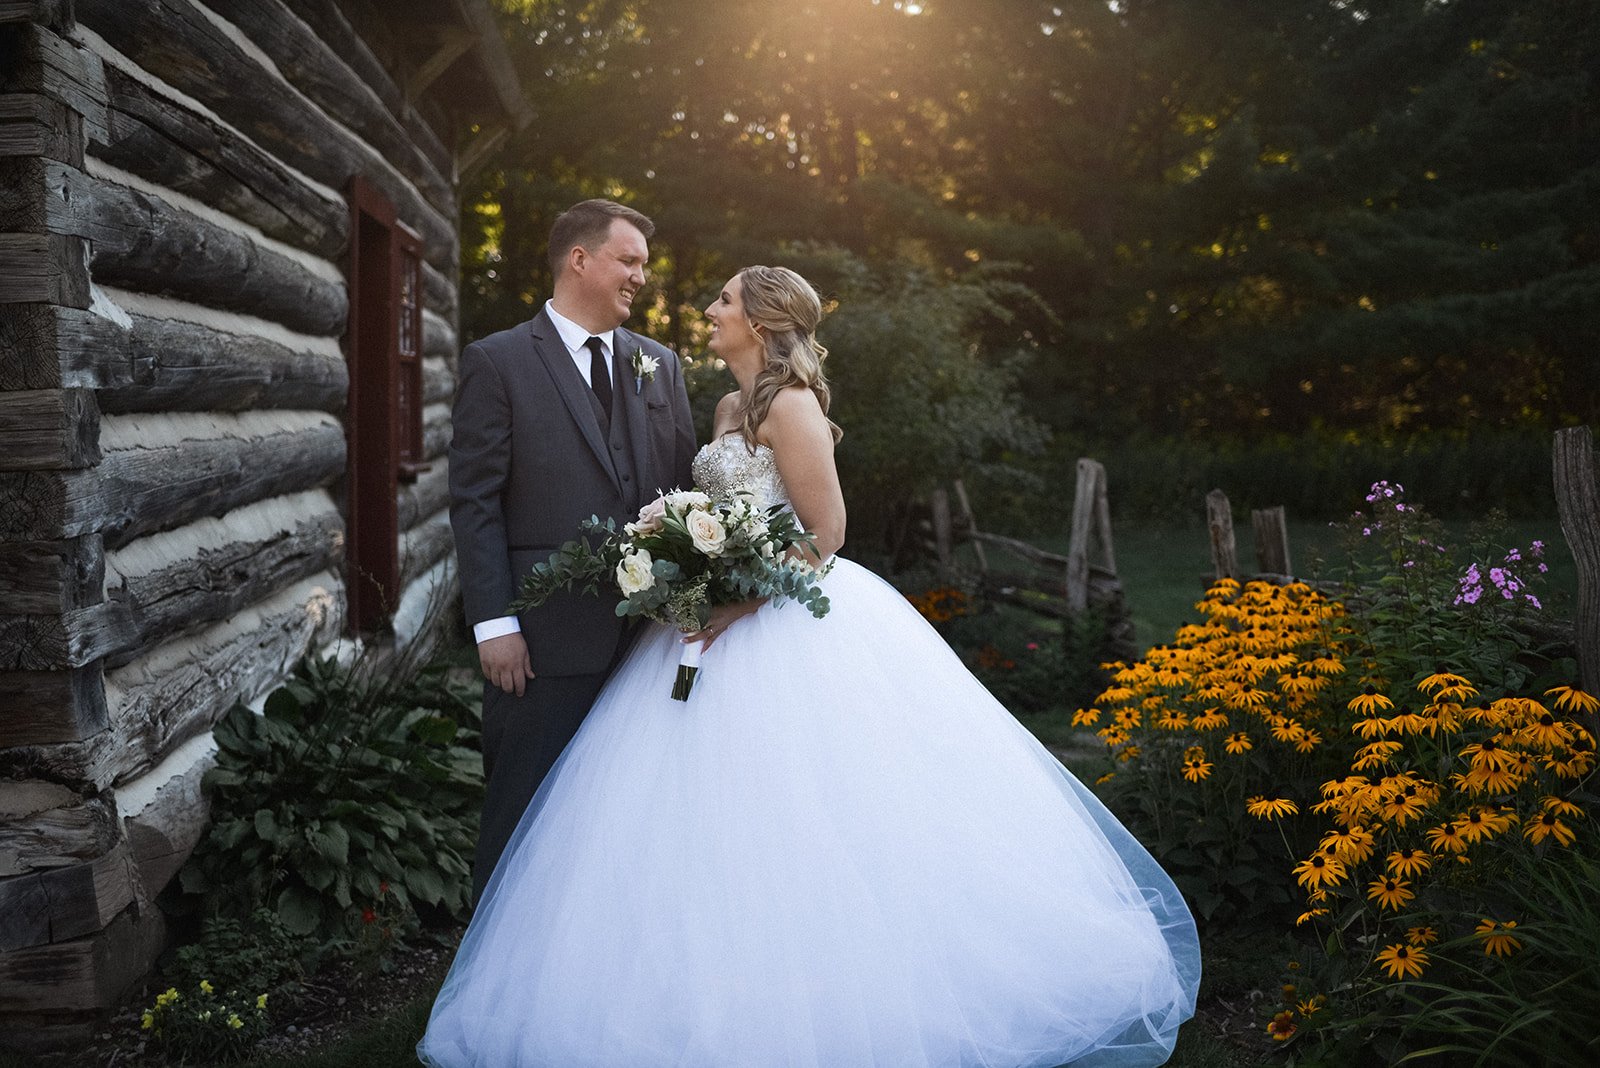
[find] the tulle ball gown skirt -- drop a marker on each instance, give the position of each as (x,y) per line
(840,851)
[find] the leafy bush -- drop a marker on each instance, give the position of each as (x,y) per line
(257,952)
(351,786)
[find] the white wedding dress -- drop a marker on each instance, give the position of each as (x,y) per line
(841,851)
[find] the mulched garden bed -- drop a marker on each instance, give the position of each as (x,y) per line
(326,1008)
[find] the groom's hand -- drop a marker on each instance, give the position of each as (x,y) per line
(505,662)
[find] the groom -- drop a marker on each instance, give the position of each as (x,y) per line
(555,420)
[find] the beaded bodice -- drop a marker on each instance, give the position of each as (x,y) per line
(727,466)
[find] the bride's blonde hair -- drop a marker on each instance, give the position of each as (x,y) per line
(787,310)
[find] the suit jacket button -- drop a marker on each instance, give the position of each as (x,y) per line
(617,447)
(627,478)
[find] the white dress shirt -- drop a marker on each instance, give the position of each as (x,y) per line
(576,339)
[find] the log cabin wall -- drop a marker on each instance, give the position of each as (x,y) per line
(175,232)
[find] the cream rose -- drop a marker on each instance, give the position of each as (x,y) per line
(634,574)
(681,501)
(707,531)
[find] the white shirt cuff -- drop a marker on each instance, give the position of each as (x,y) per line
(495,628)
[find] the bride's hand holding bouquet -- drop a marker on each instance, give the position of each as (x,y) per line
(685,555)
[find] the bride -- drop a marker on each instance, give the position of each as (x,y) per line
(840,851)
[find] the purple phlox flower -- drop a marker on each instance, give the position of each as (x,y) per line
(1399,507)
(1533,600)
(1543,568)
(1366,532)
(1514,556)
(1497,575)
(1537,548)
(1409,563)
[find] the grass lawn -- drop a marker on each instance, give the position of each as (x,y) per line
(1164,569)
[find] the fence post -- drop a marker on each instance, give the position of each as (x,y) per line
(1090,515)
(972,525)
(943,535)
(1272,541)
(1219,518)
(1578,504)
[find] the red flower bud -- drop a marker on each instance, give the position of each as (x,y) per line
(368,916)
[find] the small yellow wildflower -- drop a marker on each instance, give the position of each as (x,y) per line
(1408,861)
(1237,742)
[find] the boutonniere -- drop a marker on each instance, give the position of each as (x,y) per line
(643,367)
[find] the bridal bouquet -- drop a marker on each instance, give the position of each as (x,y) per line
(685,554)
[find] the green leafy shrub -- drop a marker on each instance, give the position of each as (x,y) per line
(254,952)
(351,786)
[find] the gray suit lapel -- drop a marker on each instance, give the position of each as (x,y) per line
(574,393)
(623,345)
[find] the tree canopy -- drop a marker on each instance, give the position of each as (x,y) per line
(1230,217)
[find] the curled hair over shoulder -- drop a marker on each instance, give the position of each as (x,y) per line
(588,223)
(787,310)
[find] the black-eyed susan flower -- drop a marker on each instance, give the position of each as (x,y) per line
(1369,702)
(1107,777)
(1545,731)
(1196,768)
(1446,681)
(1547,824)
(1375,755)
(1282,1027)
(1319,870)
(1311,1005)
(1573,700)
(1402,961)
(1408,861)
(1390,892)
(1263,808)
(1447,838)
(1086,717)
(1421,935)
(1308,741)
(1129,752)
(1212,719)
(1473,827)
(1309,915)
(1237,742)
(1498,941)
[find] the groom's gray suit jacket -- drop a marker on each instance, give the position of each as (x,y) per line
(532,457)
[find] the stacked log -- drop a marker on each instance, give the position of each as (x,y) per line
(173,391)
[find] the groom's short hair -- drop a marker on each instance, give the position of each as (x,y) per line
(588,223)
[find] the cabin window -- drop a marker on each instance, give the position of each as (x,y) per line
(383,418)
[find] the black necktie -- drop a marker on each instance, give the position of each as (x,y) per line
(599,376)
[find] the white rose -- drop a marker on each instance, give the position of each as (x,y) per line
(707,531)
(634,574)
(681,501)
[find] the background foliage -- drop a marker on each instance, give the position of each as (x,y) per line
(1336,226)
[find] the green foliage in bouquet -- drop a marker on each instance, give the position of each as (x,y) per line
(352,787)
(684,554)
